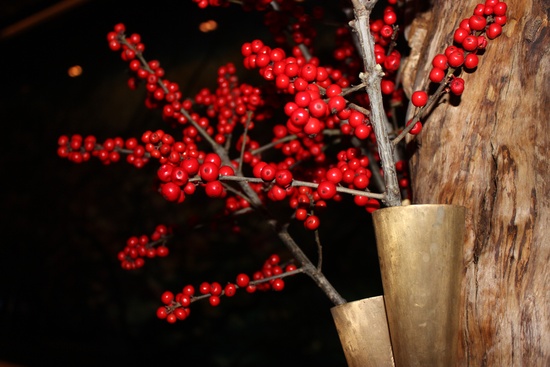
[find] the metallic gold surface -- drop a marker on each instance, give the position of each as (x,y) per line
(420,253)
(363,330)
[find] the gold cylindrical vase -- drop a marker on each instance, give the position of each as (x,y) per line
(420,253)
(363,330)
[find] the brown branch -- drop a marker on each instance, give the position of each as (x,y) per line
(372,77)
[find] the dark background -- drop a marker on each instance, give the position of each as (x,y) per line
(64,300)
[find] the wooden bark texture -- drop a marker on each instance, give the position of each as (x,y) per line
(490,151)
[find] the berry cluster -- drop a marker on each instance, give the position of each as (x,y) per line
(79,149)
(140,247)
(270,277)
(323,142)
(470,38)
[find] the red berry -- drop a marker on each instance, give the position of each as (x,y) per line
(185,300)
(457,86)
(290,267)
(361,181)
(162,251)
(387,86)
(209,171)
(283,177)
(242,280)
(164,173)
(282,81)
(479,9)
(214,189)
(372,205)
(179,176)
(437,75)
(167,297)
(417,128)
(386,31)
(471,61)
(312,222)
(301,214)
(309,72)
(180,313)
(299,117)
(318,108)
(214,300)
(215,289)
(171,191)
(204,288)
(494,31)
(273,259)
(392,62)
(477,22)
(334,175)
(161,312)
(362,131)
(213,158)
(278,284)
(302,99)
(333,90)
(360,200)
(336,103)
(313,126)
(226,171)
(500,9)
(470,43)
(188,290)
(326,190)
(171,318)
(460,34)
(230,290)
(419,98)
(501,20)
(456,58)
(268,173)
(390,17)
(191,165)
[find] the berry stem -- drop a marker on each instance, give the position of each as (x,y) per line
(245,136)
(319,250)
(252,282)
(297,183)
(424,111)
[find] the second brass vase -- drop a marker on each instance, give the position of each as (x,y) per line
(420,254)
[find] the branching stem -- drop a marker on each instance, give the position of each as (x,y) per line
(372,77)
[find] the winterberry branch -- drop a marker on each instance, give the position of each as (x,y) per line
(297,183)
(371,77)
(422,112)
(309,269)
(252,283)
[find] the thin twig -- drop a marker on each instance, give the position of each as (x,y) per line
(319,250)
(243,145)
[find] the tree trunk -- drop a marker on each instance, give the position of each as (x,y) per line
(489,151)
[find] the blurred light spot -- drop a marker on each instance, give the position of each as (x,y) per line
(208,26)
(74,71)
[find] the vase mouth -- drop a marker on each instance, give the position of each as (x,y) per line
(356,302)
(419,206)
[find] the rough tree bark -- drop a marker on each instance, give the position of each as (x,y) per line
(490,152)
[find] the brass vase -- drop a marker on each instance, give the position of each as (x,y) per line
(363,330)
(420,254)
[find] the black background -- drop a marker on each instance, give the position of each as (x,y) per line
(64,300)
